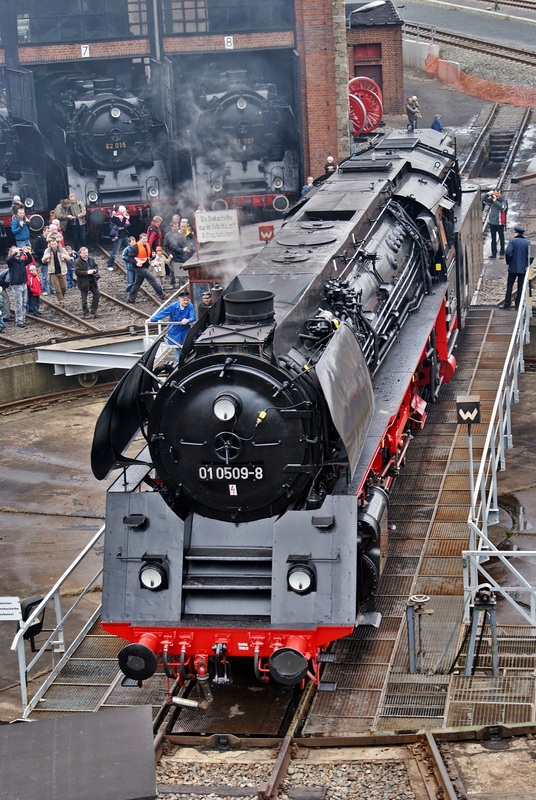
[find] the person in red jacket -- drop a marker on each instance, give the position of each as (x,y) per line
(154,233)
(35,290)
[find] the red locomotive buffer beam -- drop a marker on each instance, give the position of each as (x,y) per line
(289,657)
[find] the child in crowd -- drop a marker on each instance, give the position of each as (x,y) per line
(73,255)
(158,263)
(35,290)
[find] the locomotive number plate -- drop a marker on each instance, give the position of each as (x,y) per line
(215,472)
(115,145)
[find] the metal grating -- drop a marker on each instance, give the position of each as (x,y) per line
(364,652)
(452,513)
(407,498)
(387,630)
(152,692)
(333,726)
(456,483)
(449,530)
(344,703)
(409,530)
(352,676)
(400,566)
(444,548)
(69,697)
(407,512)
(404,549)
(440,632)
(394,586)
(463,714)
(100,647)
(441,566)
(448,586)
(511,689)
(414,705)
(391,606)
(89,672)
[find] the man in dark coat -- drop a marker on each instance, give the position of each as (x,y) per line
(87,276)
(518,259)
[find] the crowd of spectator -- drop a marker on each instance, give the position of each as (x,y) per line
(57,259)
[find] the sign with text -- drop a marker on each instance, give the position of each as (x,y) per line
(10,609)
(217,226)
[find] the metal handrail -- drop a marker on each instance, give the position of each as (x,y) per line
(56,641)
(484,506)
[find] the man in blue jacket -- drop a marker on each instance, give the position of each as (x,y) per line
(518,259)
(182,313)
(20,228)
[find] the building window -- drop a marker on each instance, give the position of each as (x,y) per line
(226,16)
(51,21)
(367,52)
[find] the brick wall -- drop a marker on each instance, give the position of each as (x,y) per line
(392,66)
(39,54)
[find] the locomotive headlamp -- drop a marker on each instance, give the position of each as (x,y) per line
(225,407)
(301,579)
(115,112)
(28,202)
(217,186)
(153,575)
(278,183)
(153,191)
(241,103)
(92,197)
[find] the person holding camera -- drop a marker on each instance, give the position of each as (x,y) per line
(20,228)
(57,259)
(498,208)
(16,263)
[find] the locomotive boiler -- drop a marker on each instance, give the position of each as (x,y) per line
(271,446)
(105,145)
(244,144)
(22,167)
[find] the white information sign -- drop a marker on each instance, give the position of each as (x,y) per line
(10,609)
(217,226)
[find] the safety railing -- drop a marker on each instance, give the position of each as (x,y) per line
(484,502)
(56,649)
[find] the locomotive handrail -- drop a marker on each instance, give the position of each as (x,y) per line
(56,640)
(485,500)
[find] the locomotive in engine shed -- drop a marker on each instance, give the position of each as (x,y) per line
(103,144)
(22,166)
(272,445)
(244,143)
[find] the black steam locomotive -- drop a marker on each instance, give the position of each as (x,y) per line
(106,147)
(244,144)
(22,167)
(273,443)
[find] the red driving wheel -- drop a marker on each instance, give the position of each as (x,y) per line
(363,82)
(374,109)
(358,114)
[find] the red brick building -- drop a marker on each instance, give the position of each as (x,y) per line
(305,47)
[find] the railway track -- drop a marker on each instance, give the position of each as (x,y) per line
(502,4)
(429,33)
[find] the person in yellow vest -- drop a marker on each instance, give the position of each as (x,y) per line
(140,255)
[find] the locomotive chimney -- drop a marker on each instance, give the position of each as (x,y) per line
(253,306)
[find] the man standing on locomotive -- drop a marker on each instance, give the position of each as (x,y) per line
(76,217)
(140,254)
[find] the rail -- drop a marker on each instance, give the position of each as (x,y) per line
(484,502)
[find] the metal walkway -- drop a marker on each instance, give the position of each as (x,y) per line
(429,508)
